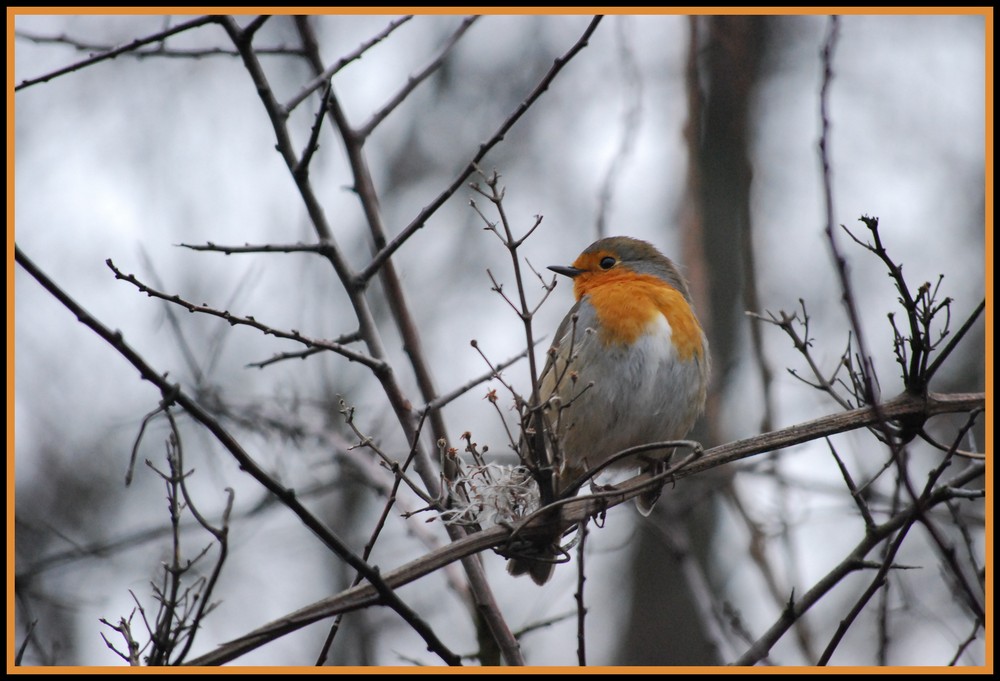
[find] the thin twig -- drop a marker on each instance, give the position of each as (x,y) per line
(111,54)
(176,395)
(853,562)
(323,77)
(352,337)
(400,475)
(943,355)
(421,219)
(579,509)
(442,400)
(484,608)
(856,495)
(160,50)
(415,80)
(235,320)
(581,608)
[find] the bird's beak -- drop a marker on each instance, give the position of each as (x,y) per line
(570,272)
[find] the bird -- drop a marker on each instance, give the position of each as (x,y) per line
(629,366)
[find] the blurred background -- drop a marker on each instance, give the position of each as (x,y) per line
(697,134)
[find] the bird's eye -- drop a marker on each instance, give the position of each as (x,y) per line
(607,262)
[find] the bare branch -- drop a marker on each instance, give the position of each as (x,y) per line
(787,323)
(352,337)
(581,609)
(855,492)
(323,78)
(541,527)
(400,475)
(853,562)
(160,50)
(943,355)
(387,461)
(364,186)
(421,219)
(485,603)
(494,372)
(321,248)
(376,366)
(313,144)
(19,655)
(173,394)
(413,81)
(111,54)
(867,370)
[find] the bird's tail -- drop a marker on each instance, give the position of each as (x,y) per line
(539,568)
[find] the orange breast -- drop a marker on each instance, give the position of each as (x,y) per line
(626,303)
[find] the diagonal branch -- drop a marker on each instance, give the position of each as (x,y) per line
(366,322)
(853,562)
(326,74)
(442,400)
(377,366)
(421,219)
(541,524)
(953,343)
(486,608)
(415,80)
(111,54)
(173,394)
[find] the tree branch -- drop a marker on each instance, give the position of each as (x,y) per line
(111,54)
(542,524)
(375,365)
(421,219)
(172,393)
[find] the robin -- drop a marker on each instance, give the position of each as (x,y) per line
(629,366)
